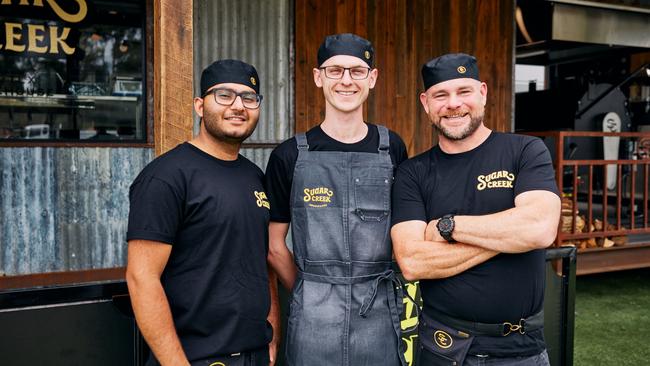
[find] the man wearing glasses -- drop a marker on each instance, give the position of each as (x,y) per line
(333,184)
(197,271)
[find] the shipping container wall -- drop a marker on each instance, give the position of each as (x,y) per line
(64,209)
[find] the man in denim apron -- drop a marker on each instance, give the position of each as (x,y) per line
(333,184)
(471,217)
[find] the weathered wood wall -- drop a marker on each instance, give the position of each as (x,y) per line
(405,35)
(173,67)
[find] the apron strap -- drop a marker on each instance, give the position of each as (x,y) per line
(301,140)
(335,280)
(384,140)
(388,275)
(395,295)
(395,304)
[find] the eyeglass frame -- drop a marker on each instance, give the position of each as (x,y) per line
(368,70)
(213,92)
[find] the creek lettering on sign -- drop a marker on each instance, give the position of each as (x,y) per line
(41,38)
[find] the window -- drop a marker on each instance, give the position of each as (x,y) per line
(527,76)
(72,70)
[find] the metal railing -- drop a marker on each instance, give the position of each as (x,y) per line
(599,210)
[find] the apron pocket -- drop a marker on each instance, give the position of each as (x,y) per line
(371,215)
(372,194)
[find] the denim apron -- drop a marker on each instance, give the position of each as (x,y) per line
(346,302)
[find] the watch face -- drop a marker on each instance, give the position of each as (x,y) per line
(445,225)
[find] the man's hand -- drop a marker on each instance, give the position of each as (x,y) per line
(273,352)
(431,233)
(274,315)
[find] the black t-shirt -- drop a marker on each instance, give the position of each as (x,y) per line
(279,170)
(482,181)
(215,215)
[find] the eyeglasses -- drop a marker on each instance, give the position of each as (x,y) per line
(227,97)
(336,72)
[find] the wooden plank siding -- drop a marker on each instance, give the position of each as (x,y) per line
(173,67)
(405,35)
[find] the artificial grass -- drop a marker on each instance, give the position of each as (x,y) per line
(612,322)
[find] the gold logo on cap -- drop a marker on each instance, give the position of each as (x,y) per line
(461,69)
(253,81)
(442,339)
(367,55)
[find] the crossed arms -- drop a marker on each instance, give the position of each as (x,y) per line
(423,254)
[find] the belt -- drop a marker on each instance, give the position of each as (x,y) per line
(523,325)
(248,356)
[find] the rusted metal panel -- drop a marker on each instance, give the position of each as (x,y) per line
(65,208)
(258,32)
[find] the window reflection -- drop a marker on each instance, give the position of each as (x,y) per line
(66,74)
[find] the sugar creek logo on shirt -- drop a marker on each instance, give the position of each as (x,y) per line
(318,197)
(262,201)
(500,179)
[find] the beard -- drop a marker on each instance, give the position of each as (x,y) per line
(212,126)
(474,123)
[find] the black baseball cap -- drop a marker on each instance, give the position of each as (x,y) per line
(346,44)
(448,67)
(229,71)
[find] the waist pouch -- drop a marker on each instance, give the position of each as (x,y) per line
(440,344)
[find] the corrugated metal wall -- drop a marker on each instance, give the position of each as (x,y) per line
(65,208)
(259,32)
(258,155)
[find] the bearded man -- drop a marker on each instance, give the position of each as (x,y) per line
(471,217)
(198,231)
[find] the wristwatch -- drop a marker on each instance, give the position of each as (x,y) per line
(446,227)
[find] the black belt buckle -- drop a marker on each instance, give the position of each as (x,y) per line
(517,327)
